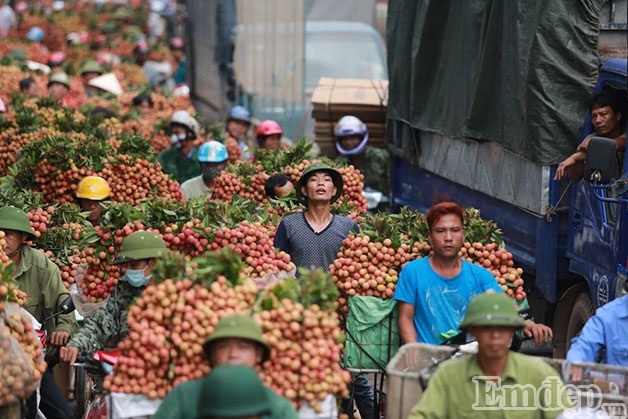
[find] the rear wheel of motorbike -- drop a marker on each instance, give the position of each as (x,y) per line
(581,312)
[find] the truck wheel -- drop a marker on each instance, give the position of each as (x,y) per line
(581,312)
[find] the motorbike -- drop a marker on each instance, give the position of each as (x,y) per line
(66,307)
(376,201)
(91,398)
(464,346)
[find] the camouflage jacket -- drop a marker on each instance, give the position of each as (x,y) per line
(108,321)
(375,168)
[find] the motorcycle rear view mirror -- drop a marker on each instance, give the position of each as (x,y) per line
(67,307)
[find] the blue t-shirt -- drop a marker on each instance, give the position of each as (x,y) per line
(440,303)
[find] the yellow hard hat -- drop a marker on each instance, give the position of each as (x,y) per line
(94,188)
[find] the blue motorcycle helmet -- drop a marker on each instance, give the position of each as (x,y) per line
(212,152)
(35,34)
(240,113)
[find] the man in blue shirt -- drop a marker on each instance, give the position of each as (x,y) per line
(433,292)
(607,329)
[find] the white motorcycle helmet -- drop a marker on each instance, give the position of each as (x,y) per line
(185,119)
(350,125)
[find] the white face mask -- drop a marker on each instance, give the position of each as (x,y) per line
(176,140)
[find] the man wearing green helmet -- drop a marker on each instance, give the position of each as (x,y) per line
(313,237)
(495,382)
(39,278)
(237,340)
(89,71)
(138,253)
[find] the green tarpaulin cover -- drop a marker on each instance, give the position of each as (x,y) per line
(517,72)
(372,332)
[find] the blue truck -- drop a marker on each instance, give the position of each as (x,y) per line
(485,100)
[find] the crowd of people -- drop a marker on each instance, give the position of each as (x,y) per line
(438,296)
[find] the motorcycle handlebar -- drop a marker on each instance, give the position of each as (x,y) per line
(90,365)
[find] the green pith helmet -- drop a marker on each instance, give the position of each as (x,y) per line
(12,218)
(134,33)
(492,309)
(18,54)
(315,167)
(233,391)
(109,27)
(140,245)
(238,326)
(59,77)
(122,14)
(91,66)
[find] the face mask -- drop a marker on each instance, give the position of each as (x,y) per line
(136,278)
(176,140)
(210,173)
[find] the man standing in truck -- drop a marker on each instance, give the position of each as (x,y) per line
(433,292)
(608,121)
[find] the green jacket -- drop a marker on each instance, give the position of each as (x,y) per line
(458,390)
(182,402)
(180,167)
(108,321)
(39,278)
(375,168)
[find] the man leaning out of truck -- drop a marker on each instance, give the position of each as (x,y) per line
(608,121)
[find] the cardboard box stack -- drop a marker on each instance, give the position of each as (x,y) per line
(334,98)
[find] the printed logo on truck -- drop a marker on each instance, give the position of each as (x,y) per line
(602,293)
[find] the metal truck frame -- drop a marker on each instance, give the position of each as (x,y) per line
(576,255)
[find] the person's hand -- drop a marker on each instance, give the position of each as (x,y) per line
(576,373)
(413,359)
(59,338)
(68,354)
(540,332)
(584,146)
(563,167)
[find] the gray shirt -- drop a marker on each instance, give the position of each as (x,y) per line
(194,187)
(313,250)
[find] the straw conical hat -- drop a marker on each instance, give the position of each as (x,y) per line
(107,82)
